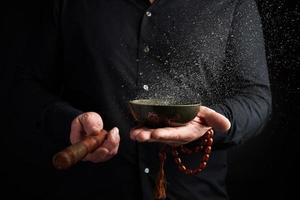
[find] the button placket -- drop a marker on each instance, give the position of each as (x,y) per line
(143,53)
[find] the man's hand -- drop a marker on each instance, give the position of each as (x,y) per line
(91,123)
(193,130)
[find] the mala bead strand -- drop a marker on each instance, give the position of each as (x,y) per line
(205,144)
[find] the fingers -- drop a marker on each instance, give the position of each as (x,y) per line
(91,123)
(141,134)
(170,135)
(112,142)
(182,135)
(108,149)
(205,120)
(76,131)
(214,119)
(85,124)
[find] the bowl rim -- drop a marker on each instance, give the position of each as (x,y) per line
(136,102)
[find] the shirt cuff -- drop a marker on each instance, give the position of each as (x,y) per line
(57,120)
(222,140)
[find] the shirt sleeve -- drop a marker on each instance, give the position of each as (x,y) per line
(39,111)
(249,106)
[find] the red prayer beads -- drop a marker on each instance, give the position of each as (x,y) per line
(205,144)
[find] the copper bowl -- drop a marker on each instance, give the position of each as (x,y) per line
(162,113)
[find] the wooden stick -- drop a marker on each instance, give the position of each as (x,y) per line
(76,152)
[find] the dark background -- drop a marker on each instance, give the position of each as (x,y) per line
(262,168)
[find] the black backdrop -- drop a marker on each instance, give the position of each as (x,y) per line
(261,168)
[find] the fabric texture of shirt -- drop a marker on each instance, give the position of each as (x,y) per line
(97,55)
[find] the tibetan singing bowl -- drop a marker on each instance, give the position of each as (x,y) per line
(162,113)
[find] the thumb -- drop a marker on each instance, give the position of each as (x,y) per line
(85,124)
(91,123)
(214,119)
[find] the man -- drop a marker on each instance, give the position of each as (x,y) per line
(91,57)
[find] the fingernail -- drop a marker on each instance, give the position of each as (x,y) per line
(115,130)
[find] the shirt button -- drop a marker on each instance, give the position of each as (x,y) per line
(147,170)
(146,87)
(146,49)
(148,14)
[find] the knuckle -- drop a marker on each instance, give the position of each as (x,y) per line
(141,137)
(156,135)
(84,116)
(88,116)
(95,116)
(114,142)
(178,137)
(90,122)
(133,133)
(94,129)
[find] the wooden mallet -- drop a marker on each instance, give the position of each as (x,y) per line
(76,152)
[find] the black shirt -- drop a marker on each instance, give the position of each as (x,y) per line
(96,55)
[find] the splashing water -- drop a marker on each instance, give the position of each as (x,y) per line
(188,57)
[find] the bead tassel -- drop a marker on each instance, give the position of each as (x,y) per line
(205,145)
(160,190)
